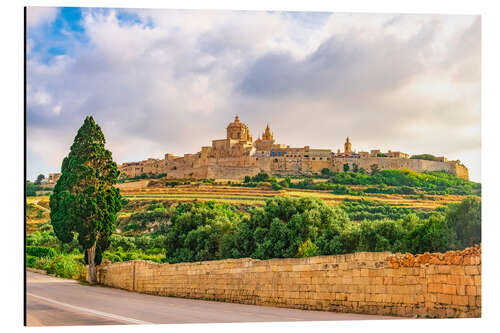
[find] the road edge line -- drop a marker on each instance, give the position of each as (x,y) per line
(99,313)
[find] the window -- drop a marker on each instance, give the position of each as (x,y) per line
(279,153)
(314,158)
(273,153)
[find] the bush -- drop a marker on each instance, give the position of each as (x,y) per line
(30,261)
(307,249)
(261,177)
(68,266)
(465,220)
(276,186)
(40,251)
(432,235)
(30,189)
(197,231)
(131,226)
(407,181)
(340,189)
(428,157)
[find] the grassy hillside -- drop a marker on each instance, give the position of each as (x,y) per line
(265,217)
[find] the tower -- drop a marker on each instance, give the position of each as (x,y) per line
(268,135)
(347,146)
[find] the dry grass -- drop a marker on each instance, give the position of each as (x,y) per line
(257,196)
(37,213)
(250,196)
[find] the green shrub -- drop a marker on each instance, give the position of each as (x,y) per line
(30,261)
(428,157)
(261,177)
(30,189)
(40,251)
(307,249)
(465,219)
(66,266)
(276,186)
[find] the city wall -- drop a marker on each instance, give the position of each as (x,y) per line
(428,285)
(239,167)
(400,163)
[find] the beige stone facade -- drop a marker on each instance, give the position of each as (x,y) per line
(52,178)
(435,285)
(238,156)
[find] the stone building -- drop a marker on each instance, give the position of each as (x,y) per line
(238,156)
(52,178)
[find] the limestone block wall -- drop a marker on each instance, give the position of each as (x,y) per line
(434,285)
(399,163)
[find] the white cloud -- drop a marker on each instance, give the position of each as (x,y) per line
(57,109)
(37,16)
(401,82)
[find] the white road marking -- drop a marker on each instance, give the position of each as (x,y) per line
(99,313)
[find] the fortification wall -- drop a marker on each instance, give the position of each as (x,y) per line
(194,166)
(400,163)
(435,285)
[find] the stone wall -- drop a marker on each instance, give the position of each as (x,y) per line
(428,285)
(200,167)
(400,163)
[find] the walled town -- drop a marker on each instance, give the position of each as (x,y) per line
(238,156)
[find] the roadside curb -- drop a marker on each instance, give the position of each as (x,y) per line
(36,270)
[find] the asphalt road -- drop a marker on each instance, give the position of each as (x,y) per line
(56,302)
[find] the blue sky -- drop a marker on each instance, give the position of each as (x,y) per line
(161,81)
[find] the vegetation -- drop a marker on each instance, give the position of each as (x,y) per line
(313,217)
(260,177)
(198,230)
(402,181)
(283,227)
(124,178)
(40,251)
(84,200)
(39,179)
(359,210)
(431,182)
(288,227)
(428,157)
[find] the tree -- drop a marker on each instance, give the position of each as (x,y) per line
(374,168)
(84,200)
(346,167)
(261,177)
(30,189)
(355,167)
(465,219)
(39,179)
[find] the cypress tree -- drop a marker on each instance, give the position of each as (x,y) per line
(84,200)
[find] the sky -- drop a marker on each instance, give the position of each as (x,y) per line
(160,81)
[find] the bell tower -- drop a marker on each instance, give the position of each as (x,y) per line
(268,135)
(347,146)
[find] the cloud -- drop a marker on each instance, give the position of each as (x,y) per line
(162,81)
(36,16)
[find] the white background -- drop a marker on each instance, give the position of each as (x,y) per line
(12,158)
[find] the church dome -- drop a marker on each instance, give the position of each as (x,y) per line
(238,130)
